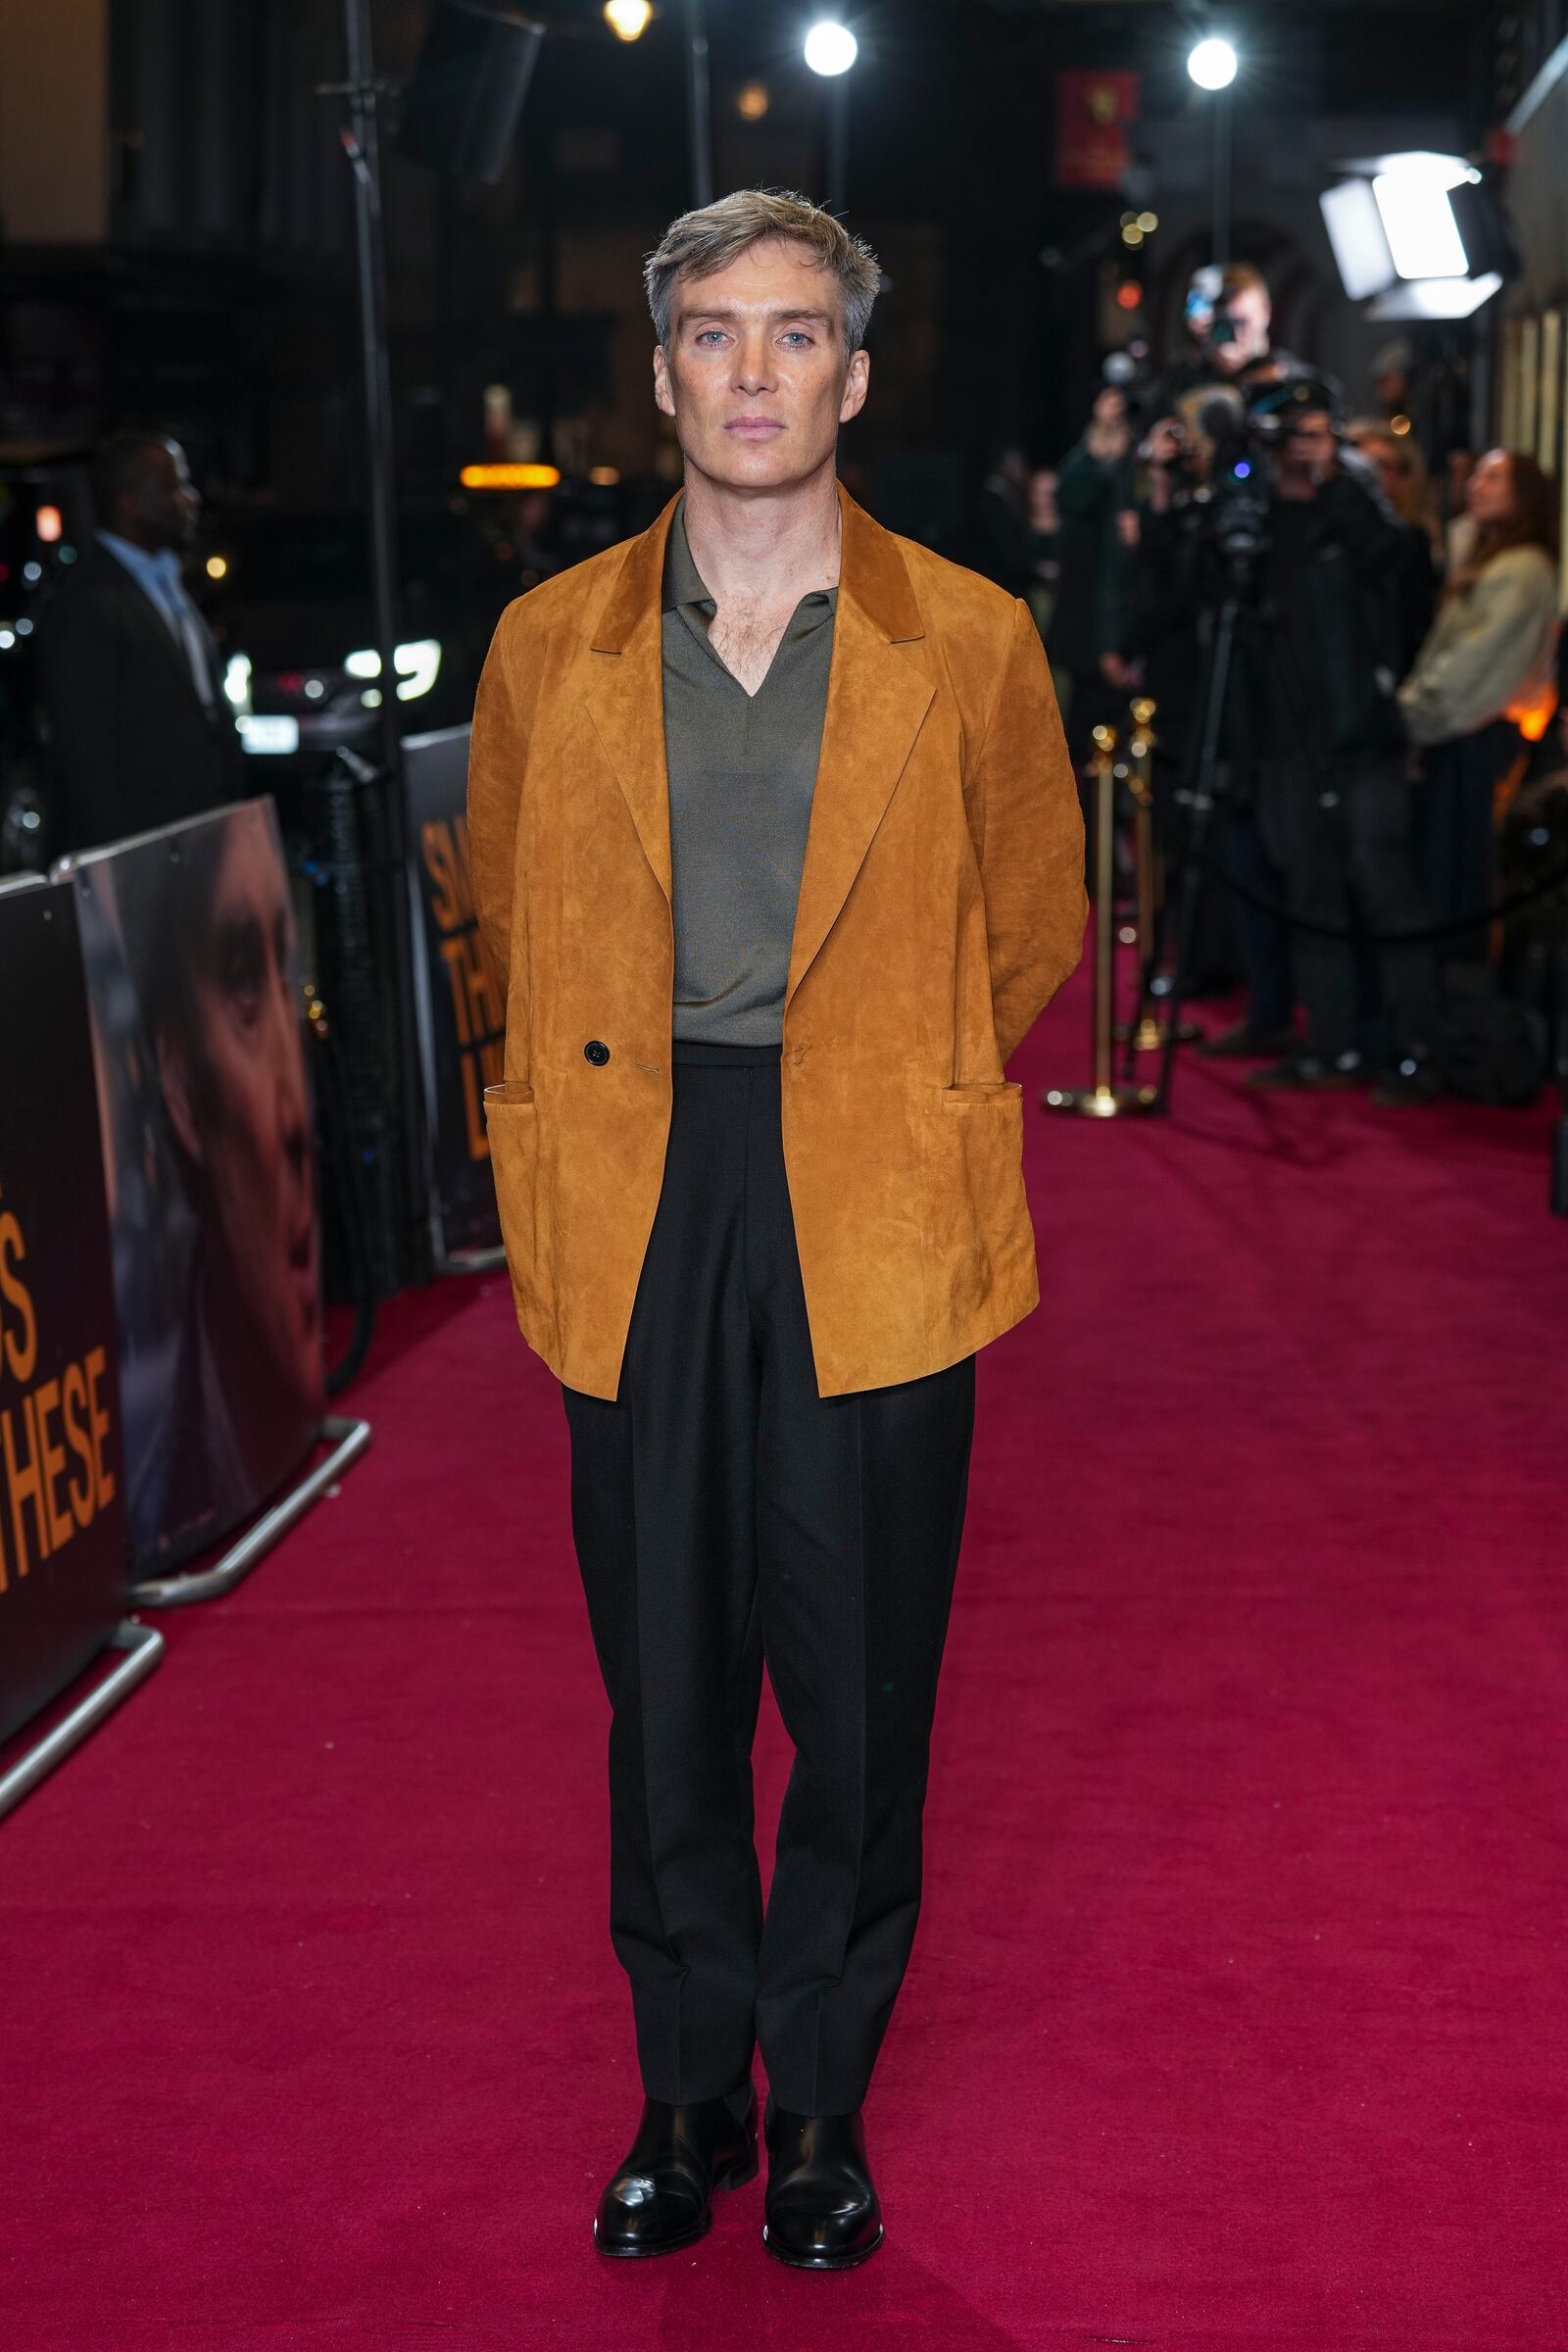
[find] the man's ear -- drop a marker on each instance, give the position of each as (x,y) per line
(664,392)
(856,385)
(173,1076)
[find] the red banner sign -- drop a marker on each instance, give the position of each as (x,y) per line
(1094,113)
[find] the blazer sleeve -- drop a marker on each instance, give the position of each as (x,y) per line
(498,756)
(1028,827)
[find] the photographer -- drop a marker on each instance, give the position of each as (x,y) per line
(1094,488)
(1161,655)
(1333,799)
(1229,314)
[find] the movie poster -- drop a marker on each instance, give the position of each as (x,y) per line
(461,1014)
(189,945)
(63,1582)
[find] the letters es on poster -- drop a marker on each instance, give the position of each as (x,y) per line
(63,1566)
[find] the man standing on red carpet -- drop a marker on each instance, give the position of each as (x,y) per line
(777,843)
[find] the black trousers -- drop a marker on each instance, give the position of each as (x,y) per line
(1455,837)
(1364,845)
(722,1512)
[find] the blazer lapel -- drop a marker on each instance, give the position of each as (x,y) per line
(878,700)
(627,704)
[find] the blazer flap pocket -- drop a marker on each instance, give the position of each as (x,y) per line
(987,1095)
(510,1091)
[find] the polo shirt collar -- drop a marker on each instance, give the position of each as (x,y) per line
(684,586)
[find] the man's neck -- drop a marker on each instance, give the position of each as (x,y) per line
(135,537)
(761,549)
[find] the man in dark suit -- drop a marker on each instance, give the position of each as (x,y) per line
(141,730)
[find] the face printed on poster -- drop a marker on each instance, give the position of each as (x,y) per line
(191,952)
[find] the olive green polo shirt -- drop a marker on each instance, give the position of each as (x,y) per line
(742,772)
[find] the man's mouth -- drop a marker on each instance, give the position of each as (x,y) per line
(754,427)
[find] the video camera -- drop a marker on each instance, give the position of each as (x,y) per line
(1250,428)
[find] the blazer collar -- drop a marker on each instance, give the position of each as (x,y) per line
(871,575)
(877,706)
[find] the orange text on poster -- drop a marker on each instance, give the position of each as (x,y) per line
(476,1006)
(52,1432)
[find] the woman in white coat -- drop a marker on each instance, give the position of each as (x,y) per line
(1490,646)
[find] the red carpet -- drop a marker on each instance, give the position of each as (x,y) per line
(1239,2014)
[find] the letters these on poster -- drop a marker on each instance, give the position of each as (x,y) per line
(52,1431)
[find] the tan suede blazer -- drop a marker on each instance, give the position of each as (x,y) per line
(942,904)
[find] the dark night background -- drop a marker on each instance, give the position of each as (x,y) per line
(207,284)
(176,251)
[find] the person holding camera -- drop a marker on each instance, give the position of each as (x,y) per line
(1230,323)
(1094,489)
(1333,794)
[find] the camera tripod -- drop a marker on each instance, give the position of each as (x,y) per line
(1237,613)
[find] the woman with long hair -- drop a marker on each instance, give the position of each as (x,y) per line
(1492,641)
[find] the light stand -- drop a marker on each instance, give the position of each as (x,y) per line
(361,143)
(1224,136)
(838,143)
(697,105)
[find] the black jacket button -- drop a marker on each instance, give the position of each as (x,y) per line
(596,1051)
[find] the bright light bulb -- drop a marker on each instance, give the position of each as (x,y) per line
(1212,64)
(1418,218)
(831,48)
(627,20)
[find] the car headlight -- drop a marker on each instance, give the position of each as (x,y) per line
(417,665)
(237,680)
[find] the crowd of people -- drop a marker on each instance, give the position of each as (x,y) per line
(1389,633)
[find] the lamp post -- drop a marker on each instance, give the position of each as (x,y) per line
(831,50)
(1213,66)
(697,100)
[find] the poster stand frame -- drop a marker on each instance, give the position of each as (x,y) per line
(348,1439)
(143,1649)
(473,1261)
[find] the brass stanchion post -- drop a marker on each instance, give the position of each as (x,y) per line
(1146,1035)
(1103,1099)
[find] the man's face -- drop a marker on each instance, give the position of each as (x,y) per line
(756,376)
(167,504)
(1393,466)
(239,1103)
(1309,449)
(1248,312)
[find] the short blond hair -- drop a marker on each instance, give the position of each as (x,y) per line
(702,242)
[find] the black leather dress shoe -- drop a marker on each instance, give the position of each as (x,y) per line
(659,2199)
(822,2211)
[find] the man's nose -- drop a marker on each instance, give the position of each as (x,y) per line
(293,1095)
(754,365)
